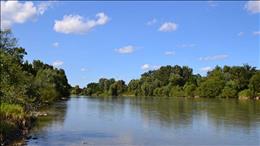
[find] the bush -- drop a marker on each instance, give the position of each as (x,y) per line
(210,88)
(176,91)
(245,94)
(189,89)
(11,111)
(230,90)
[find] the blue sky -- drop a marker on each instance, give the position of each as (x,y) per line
(124,39)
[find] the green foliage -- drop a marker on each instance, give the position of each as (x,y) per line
(176,91)
(133,87)
(14,82)
(254,84)
(210,88)
(12,118)
(11,111)
(7,42)
(24,86)
(247,93)
(177,81)
(189,89)
(76,90)
(230,90)
(117,88)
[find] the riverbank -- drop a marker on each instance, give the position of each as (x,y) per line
(16,121)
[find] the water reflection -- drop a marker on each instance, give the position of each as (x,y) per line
(149,121)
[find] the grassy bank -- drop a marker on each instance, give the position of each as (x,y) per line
(15,122)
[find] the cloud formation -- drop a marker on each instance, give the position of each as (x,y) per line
(256,33)
(253,6)
(83,69)
(169,53)
(57,63)
(186,46)
(215,57)
(126,50)
(206,69)
(149,67)
(240,33)
(43,6)
(76,24)
(55,44)
(168,27)
(19,12)
(151,22)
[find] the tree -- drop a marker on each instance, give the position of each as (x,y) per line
(189,89)
(117,88)
(254,84)
(76,90)
(210,88)
(14,82)
(7,42)
(176,91)
(230,90)
(176,80)
(133,87)
(92,88)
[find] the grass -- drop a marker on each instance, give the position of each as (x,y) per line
(12,117)
(11,111)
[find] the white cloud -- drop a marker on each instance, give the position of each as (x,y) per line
(216,57)
(145,66)
(56,44)
(156,66)
(76,24)
(253,6)
(19,12)
(125,50)
(83,69)
(256,33)
(57,63)
(206,69)
(169,53)
(151,22)
(149,67)
(168,27)
(43,6)
(186,45)
(240,33)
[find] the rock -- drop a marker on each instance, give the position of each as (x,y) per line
(243,97)
(35,138)
(29,137)
(196,97)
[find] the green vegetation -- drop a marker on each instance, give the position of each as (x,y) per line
(176,81)
(24,86)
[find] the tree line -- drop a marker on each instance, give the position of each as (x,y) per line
(24,86)
(180,81)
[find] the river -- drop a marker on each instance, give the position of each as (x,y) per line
(148,121)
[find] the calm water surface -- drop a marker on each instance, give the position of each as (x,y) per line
(148,121)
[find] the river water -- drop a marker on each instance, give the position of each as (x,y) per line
(148,121)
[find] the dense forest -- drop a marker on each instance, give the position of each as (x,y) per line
(176,81)
(24,86)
